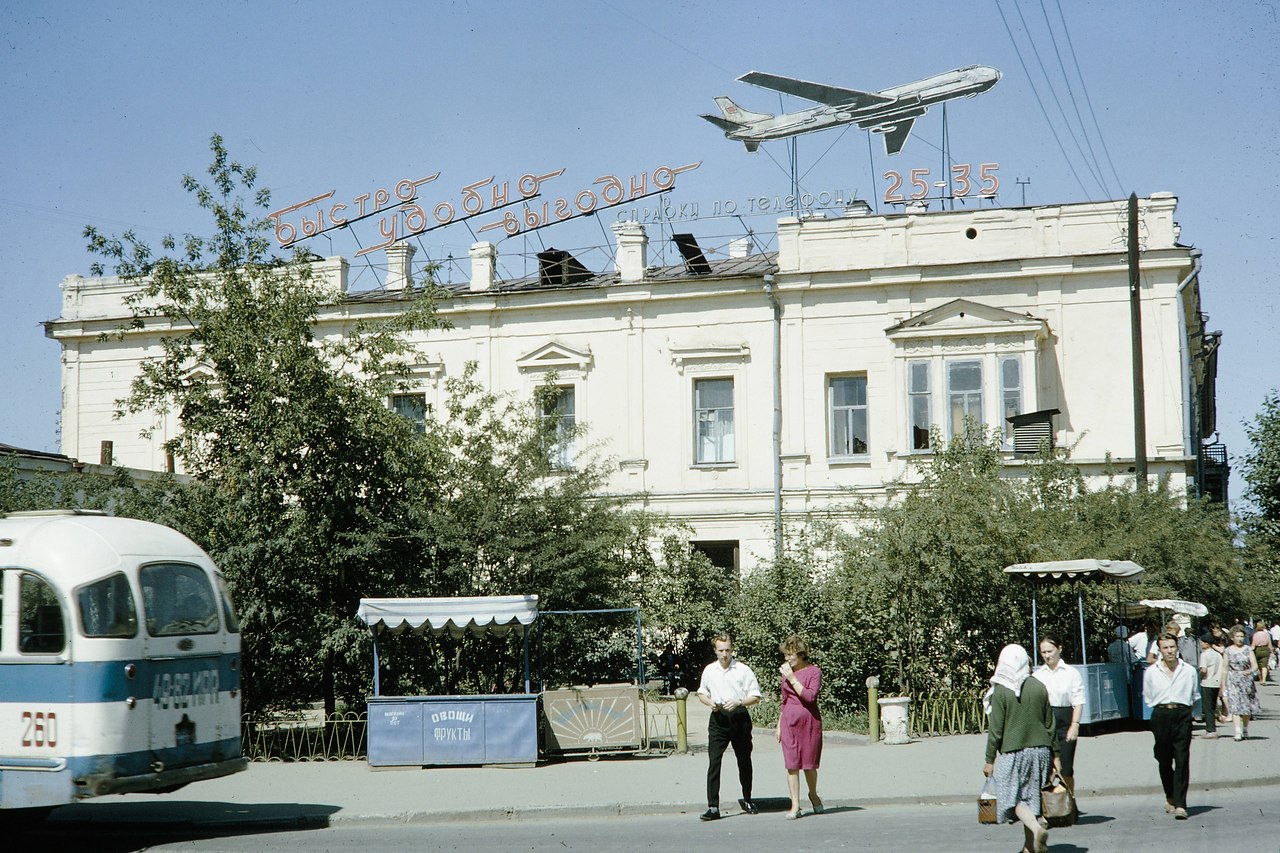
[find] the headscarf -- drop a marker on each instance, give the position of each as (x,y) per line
(1013,668)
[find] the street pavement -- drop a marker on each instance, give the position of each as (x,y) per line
(854,774)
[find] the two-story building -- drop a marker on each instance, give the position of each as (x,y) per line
(734,391)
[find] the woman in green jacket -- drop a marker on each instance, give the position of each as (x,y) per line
(1021,747)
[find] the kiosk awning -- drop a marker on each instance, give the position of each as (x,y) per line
(1174,605)
(477,615)
(1079,570)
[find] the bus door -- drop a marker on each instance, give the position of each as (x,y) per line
(183,646)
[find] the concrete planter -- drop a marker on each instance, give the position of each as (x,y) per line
(893,718)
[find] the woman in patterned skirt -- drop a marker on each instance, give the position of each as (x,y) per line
(1238,689)
(1021,745)
(800,722)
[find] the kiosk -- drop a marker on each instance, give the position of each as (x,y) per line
(451,730)
(1106,685)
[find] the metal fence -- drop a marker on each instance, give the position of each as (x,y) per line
(341,737)
(946,714)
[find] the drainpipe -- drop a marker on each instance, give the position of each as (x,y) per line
(1192,399)
(771,292)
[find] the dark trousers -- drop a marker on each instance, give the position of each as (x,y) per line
(725,728)
(1209,707)
(1172,730)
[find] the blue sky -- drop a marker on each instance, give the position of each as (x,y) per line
(104,106)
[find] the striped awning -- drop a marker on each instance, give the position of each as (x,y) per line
(475,615)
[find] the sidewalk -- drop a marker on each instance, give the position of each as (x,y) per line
(932,770)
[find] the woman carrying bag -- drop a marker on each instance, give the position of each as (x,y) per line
(1021,745)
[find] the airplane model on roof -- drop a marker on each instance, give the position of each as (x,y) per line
(890,112)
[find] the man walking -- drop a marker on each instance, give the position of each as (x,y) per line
(728,688)
(1171,688)
(1210,682)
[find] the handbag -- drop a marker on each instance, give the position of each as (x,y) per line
(987,803)
(1057,806)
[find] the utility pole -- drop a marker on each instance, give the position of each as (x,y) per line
(1135,327)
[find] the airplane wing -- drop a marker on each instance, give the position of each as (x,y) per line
(896,137)
(819,92)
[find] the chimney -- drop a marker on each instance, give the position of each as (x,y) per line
(398,257)
(633,251)
(484,259)
(857,207)
(741,247)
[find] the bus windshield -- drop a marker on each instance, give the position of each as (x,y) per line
(177,598)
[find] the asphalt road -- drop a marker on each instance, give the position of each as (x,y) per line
(1244,819)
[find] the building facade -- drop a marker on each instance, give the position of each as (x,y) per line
(732,392)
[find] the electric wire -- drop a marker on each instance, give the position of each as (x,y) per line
(1075,106)
(1088,101)
(1040,103)
(1056,102)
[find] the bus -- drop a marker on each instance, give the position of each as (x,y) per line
(119,661)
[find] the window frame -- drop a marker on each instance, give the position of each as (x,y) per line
(949,364)
(563,452)
(926,396)
(847,413)
(722,458)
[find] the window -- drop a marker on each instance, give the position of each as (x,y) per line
(713,421)
(106,608)
(228,611)
(723,554)
(847,396)
(1010,393)
(177,599)
(40,626)
(559,413)
(964,394)
(413,408)
(919,404)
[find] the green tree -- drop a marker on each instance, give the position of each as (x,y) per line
(1260,519)
(300,469)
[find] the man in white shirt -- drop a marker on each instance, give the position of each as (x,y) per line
(1210,682)
(728,688)
(1171,688)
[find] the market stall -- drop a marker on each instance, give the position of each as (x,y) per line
(451,730)
(1107,695)
(1160,611)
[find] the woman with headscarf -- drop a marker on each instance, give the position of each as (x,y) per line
(1021,745)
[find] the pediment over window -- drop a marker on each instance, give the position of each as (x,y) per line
(708,355)
(964,317)
(554,355)
(200,371)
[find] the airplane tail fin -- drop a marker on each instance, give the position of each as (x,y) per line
(737,114)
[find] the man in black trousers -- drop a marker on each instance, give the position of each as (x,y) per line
(1171,687)
(728,688)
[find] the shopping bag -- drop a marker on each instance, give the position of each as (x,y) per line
(987,803)
(1057,806)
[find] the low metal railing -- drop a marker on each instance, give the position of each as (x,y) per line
(946,714)
(341,737)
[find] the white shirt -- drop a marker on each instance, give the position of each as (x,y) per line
(1139,644)
(1161,687)
(737,683)
(1065,686)
(1275,633)
(1211,663)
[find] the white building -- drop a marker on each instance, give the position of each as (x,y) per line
(861,332)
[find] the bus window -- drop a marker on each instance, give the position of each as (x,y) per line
(40,628)
(228,611)
(177,598)
(106,608)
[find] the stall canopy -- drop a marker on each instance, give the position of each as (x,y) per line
(1078,570)
(479,615)
(1173,605)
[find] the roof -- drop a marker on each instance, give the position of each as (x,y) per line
(477,615)
(752,266)
(72,546)
(1078,570)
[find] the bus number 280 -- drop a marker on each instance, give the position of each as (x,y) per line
(39,728)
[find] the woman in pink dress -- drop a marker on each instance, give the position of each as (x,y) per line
(800,722)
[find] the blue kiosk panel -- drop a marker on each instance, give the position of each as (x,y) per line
(453,730)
